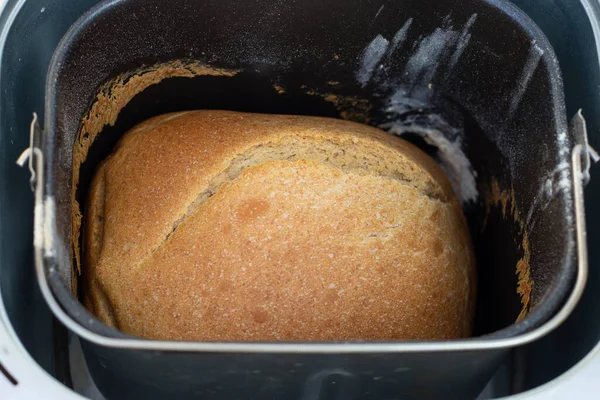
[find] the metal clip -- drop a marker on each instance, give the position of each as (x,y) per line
(34,135)
(36,180)
(578,127)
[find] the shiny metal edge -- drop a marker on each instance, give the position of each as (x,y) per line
(43,225)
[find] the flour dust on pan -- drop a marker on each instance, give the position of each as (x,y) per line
(413,103)
(408,105)
(535,55)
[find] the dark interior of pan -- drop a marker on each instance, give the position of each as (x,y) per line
(472,82)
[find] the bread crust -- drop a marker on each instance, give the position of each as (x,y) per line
(219,225)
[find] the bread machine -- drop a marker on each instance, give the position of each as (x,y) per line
(422,70)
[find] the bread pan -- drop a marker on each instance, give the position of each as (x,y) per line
(473,82)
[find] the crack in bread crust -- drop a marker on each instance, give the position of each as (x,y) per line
(345,159)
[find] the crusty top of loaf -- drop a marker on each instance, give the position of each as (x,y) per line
(219,225)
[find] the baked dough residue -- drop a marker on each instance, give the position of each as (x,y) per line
(350,108)
(279,89)
(504,198)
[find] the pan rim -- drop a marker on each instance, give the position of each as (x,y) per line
(44,255)
(510,336)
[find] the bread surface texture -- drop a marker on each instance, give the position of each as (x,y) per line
(226,226)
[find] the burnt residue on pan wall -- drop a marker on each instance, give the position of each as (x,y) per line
(504,200)
(351,108)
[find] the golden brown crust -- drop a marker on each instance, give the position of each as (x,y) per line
(216,225)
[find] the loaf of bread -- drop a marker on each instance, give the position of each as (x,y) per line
(220,226)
